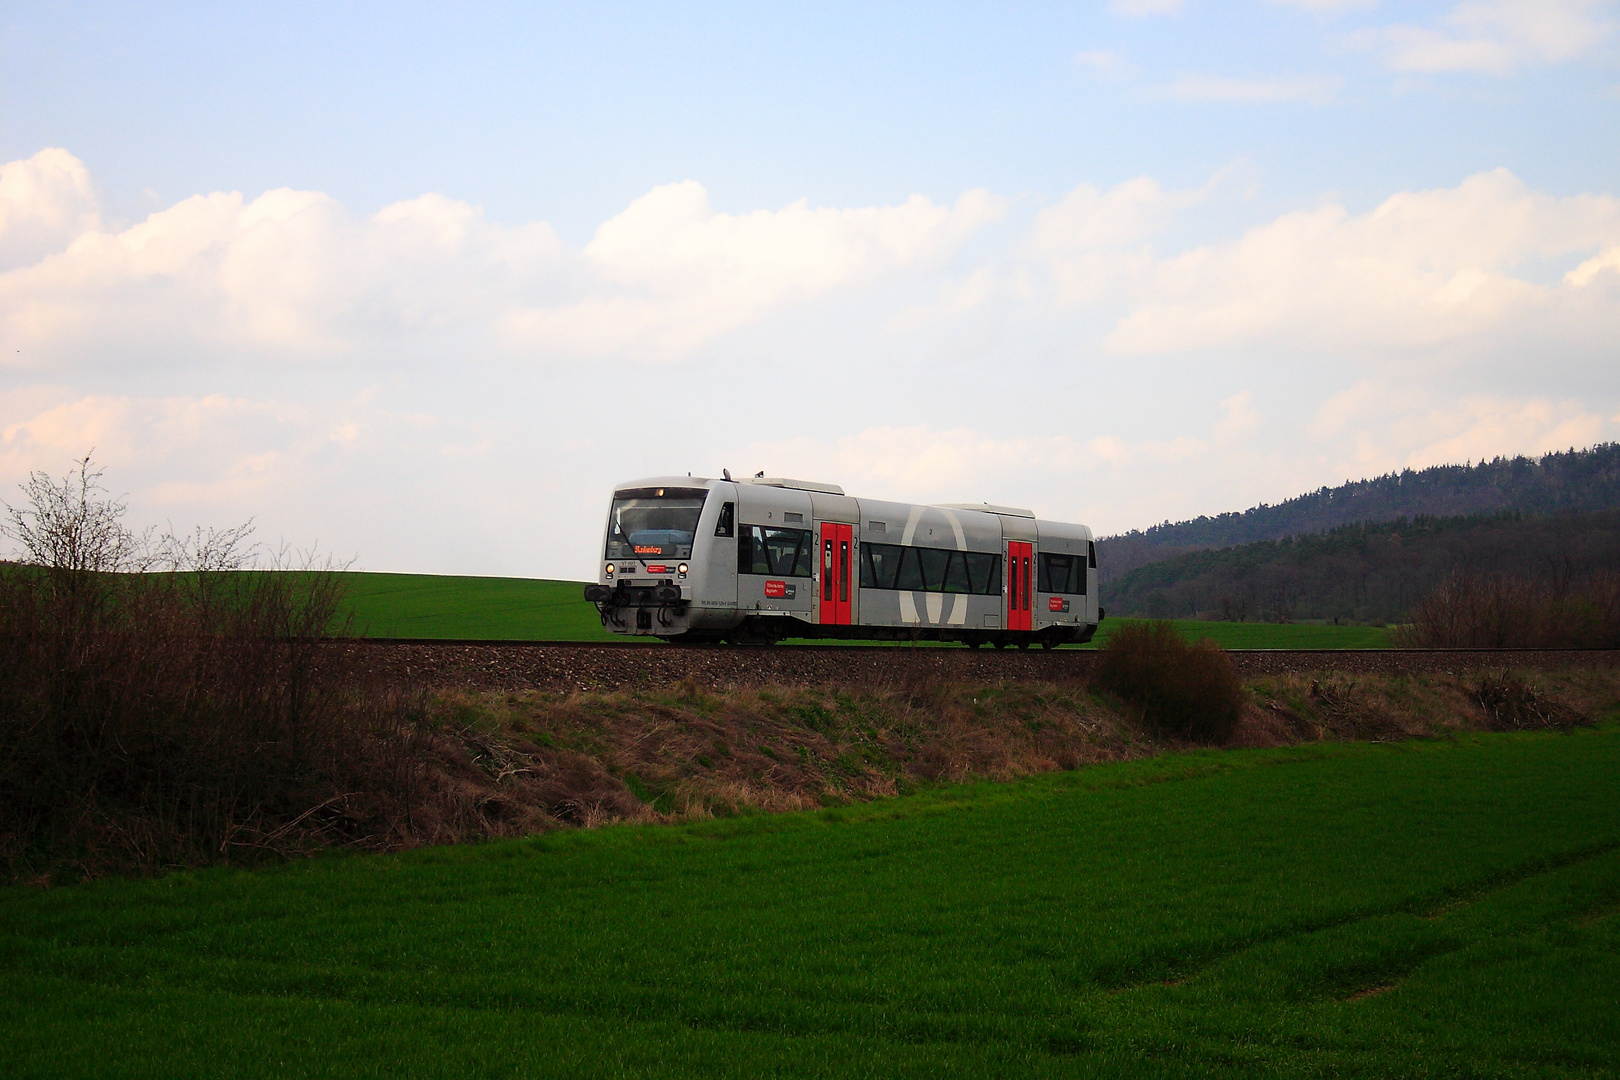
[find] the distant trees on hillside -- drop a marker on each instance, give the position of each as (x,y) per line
(1367,572)
(1577,480)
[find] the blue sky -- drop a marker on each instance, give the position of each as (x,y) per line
(420,282)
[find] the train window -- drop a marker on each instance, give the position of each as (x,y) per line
(890,566)
(1062,574)
(776,552)
(660,527)
(909,576)
(1091,556)
(932,562)
(878,565)
(727,523)
(984,573)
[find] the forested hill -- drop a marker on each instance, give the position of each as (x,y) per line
(1364,573)
(1575,480)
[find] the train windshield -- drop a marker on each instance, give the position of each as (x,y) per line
(659,528)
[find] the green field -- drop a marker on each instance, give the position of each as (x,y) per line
(528,609)
(431,606)
(1419,909)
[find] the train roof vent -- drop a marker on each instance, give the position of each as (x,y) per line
(796,485)
(990,508)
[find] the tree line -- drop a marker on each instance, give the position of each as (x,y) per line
(1576,480)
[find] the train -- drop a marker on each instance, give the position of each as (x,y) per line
(756,560)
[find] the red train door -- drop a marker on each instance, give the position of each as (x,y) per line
(1020,557)
(837,549)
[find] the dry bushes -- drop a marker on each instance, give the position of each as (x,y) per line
(150,719)
(1511,703)
(1183,690)
(1495,611)
(688,751)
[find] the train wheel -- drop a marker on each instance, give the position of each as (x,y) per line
(1001,643)
(1024,644)
(1048,644)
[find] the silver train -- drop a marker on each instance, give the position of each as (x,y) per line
(758,560)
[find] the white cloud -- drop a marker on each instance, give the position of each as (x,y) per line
(1328,5)
(294,274)
(1586,273)
(676,273)
(400,490)
(1495,37)
(1390,425)
(1218,88)
(45,201)
(1240,417)
(1145,7)
(1106,65)
(1095,240)
(1485,426)
(1423,271)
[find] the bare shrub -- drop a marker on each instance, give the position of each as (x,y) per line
(1512,704)
(1497,611)
(164,718)
(1184,690)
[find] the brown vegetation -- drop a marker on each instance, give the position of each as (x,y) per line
(507,762)
(1186,690)
(1514,611)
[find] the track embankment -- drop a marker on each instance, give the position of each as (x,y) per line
(488,665)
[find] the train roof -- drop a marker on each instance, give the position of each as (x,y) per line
(989,508)
(796,485)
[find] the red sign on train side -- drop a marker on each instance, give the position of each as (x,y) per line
(775,590)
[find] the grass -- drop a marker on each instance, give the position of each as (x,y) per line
(433,606)
(528,609)
(1416,909)
(1253,635)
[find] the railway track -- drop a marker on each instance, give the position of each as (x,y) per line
(563,666)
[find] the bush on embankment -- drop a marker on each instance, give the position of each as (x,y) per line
(1185,690)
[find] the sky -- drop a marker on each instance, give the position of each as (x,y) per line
(414,285)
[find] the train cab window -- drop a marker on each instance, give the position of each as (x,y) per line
(776,552)
(1091,554)
(656,526)
(1062,574)
(727,524)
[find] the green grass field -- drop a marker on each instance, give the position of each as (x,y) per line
(527,609)
(1421,909)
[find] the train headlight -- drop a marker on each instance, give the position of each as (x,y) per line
(610,569)
(681,569)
